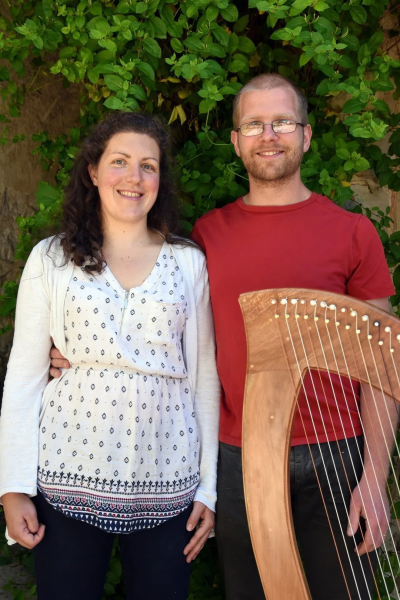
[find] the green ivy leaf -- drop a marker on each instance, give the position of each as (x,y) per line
(241,24)
(113,82)
(206,105)
(147,70)
(176,45)
(246,45)
(342,153)
(114,103)
(382,106)
(138,92)
(230,13)
(362,164)
(239,63)
(111,46)
(359,14)
(215,50)
(212,13)
(96,8)
(194,43)
(353,106)
(375,41)
(46,194)
(37,41)
(152,47)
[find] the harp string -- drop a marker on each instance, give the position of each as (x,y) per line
(367,409)
(319,448)
(315,320)
(309,445)
(337,324)
(340,417)
(389,451)
(376,408)
(390,419)
(337,368)
(366,444)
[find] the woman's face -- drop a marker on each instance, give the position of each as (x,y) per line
(127,177)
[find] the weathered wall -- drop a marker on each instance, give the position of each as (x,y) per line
(50,108)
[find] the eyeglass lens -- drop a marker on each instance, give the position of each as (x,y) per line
(256,128)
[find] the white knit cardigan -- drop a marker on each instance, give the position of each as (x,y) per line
(40,315)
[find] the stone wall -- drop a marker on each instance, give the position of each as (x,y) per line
(50,108)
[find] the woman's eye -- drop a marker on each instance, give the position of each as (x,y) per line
(119,161)
(148,167)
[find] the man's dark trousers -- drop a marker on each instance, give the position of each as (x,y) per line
(323,571)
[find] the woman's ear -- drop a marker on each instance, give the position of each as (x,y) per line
(93,174)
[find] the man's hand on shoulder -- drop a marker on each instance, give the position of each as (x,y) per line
(58,361)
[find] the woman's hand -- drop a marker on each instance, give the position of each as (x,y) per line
(21,518)
(206,517)
(58,361)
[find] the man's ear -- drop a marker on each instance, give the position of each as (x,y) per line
(93,174)
(235,140)
(307,137)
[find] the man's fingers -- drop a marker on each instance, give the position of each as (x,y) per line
(354,515)
(60,363)
(55,353)
(55,373)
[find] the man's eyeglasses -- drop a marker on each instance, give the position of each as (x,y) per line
(278,126)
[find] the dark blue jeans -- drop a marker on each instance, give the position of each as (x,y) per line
(71,561)
(317,549)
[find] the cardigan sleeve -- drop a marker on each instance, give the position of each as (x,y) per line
(27,376)
(207,393)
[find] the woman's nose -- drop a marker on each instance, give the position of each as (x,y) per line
(134,173)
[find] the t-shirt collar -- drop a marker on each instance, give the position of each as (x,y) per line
(274,209)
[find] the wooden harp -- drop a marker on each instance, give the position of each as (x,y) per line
(290,331)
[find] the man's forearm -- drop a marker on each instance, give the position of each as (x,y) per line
(379,415)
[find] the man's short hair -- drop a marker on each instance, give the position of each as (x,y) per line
(270,81)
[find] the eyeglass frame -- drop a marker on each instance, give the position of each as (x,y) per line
(264,124)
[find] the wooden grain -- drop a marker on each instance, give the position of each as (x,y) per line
(280,351)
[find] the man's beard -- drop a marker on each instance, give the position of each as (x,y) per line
(265,171)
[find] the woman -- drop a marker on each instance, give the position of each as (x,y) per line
(126,440)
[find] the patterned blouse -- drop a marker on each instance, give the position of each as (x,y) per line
(119,446)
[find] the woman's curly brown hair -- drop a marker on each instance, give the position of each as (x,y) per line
(82,232)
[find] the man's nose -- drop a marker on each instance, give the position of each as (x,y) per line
(268,133)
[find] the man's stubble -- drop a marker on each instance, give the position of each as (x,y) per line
(265,173)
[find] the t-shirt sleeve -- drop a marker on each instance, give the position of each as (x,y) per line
(370,278)
(197,237)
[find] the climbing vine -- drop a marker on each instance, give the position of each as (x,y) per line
(186,60)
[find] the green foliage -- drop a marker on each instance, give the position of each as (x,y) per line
(186,61)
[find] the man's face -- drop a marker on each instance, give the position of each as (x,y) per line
(270,156)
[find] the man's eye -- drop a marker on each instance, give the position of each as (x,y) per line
(284,121)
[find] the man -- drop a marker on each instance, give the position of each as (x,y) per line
(283,235)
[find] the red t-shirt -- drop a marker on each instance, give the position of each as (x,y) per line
(313,244)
